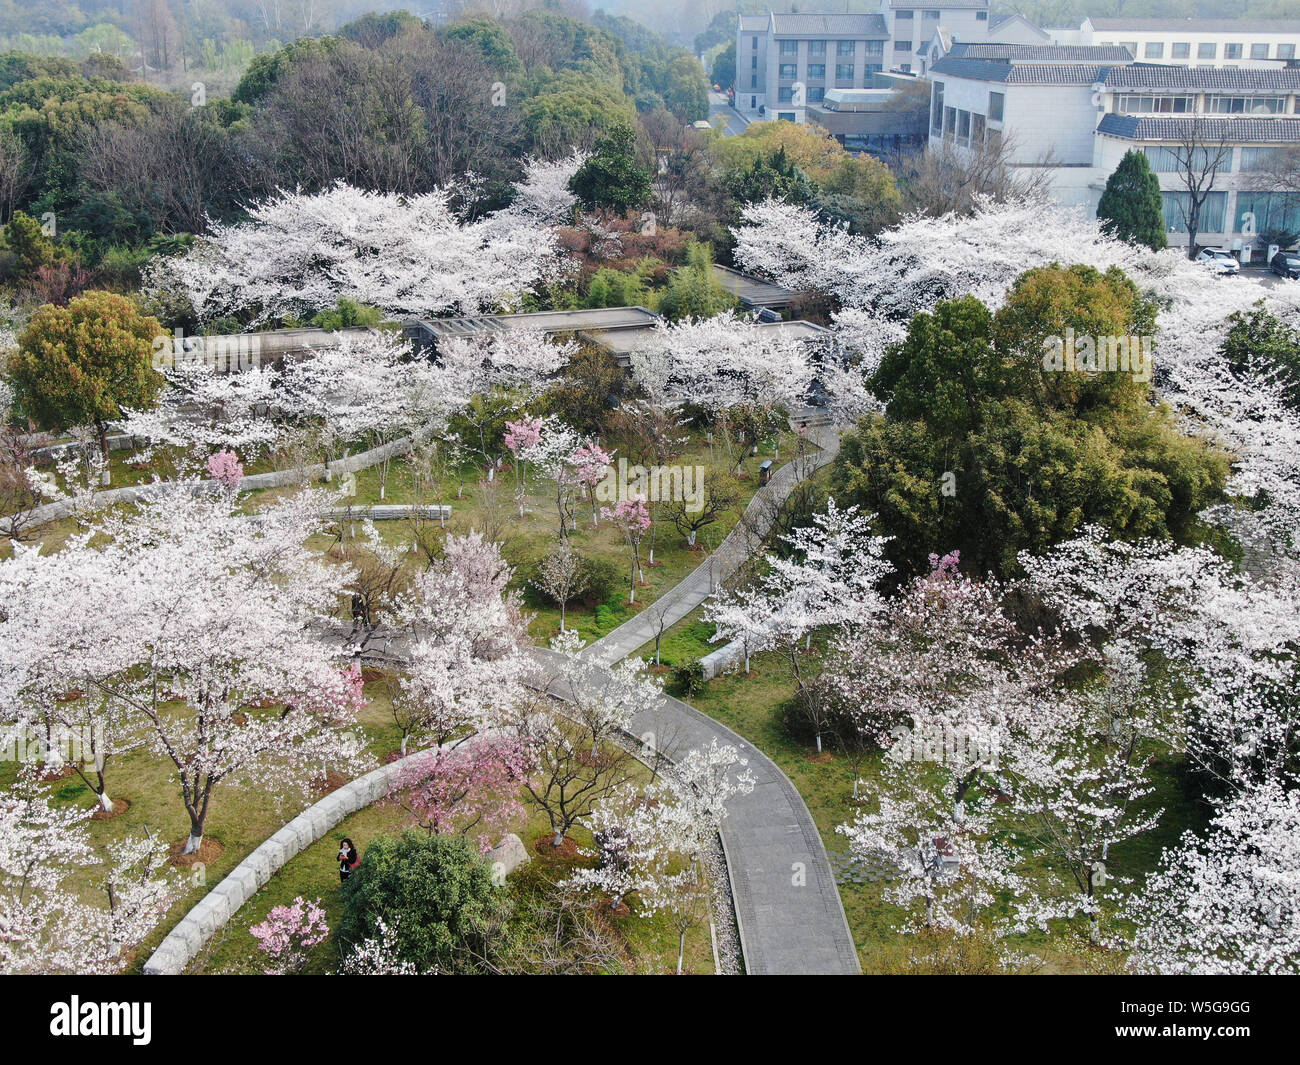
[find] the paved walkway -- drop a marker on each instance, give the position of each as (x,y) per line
(787,903)
(745,539)
(788,909)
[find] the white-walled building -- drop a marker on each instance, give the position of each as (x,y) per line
(1198,42)
(786,62)
(1078,119)
(1002,29)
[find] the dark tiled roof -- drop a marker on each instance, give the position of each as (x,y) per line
(1199,25)
(1021,73)
(1156,76)
(1042,53)
(1206,130)
(830,25)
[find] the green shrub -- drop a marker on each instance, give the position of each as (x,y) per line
(605,580)
(435,891)
(688,678)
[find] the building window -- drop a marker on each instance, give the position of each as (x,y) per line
(816,47)
(902,46)
(753,44)
(844,72)
(933,16)
(903,15)
(1286,51)
(949,122)
(1232,51)
(753,81)
(963,128)
(981,16)
(789,47)
(1207,51)
(1138,104)
(1177,204)
(1180,50)
(788,71)
(1154,50)
(753,62)
(846,47)
(785,96)
(785,116)
(977,131)
(816,94)
(996,102)
(1258,159)
(1166,160)
(875,47)
(1259,51)
(936,109)
(1246,105)
(1132,47)
(873,68)
(1275,212)
(816,70)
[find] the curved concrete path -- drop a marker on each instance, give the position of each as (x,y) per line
(748,536)
(788,909)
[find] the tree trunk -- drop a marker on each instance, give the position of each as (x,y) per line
(106,477)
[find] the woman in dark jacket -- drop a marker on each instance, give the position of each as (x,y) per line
(348,859)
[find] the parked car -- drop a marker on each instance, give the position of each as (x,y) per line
(1219,261)
(1286,264)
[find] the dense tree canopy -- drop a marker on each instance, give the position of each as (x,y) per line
(989,448)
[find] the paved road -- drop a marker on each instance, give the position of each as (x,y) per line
(719,105)
(747,537)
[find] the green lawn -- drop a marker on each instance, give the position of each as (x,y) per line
(750,705)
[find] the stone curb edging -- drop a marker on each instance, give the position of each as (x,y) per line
(180,946)
(318,471)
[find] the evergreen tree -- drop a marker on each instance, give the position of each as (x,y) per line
(612,177)
(1132,204)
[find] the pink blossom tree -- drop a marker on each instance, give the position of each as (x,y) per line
(288,934)
(521,439)
(225,468)
(591,463)
(632,518)
(467,789)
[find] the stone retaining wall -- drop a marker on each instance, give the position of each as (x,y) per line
(219,905)
(318,471)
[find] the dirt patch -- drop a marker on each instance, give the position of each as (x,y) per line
(48,776)
(69,696)
(209,851)
(567,851)
(369,675)
(331,781)
(120,806)
(821,759)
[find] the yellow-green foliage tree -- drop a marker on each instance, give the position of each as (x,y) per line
(81,364)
